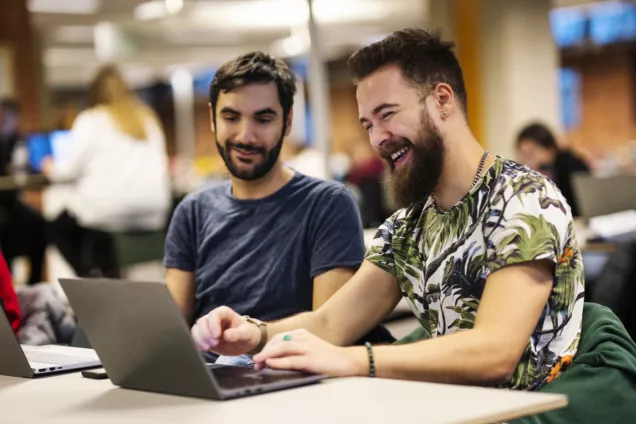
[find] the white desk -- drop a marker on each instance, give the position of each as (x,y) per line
(73,399)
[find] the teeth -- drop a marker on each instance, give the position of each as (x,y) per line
(397,155)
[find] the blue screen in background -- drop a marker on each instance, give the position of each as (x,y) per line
(39,147)
(568,26)
(611,22)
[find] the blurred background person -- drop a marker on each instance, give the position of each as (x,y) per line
(119,168)
(537,149)
(22,229)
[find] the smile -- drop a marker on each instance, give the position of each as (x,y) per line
(398,156)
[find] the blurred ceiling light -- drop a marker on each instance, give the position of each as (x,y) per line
(155,9)
(79,7)
(174,6)
(74,34)
(286,13)
(289,47)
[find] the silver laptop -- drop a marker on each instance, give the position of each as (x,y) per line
(598,196)
(145,344)
(35,361)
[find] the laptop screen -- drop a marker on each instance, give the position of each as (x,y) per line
(39,147)
(55,144)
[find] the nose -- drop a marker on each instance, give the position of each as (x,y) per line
(246,133)
(378,136)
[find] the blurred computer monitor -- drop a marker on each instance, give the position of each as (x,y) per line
(56,144)
(39,147)
(598,196)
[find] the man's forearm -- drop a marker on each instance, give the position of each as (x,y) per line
(315,322)
(468,357)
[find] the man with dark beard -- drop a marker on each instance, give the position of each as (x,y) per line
(271,242)
(483,248)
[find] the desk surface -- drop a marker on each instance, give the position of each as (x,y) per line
(29,182)
(70,399)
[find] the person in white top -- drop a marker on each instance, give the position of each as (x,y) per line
(118,166)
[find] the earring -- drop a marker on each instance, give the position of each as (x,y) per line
(444,113)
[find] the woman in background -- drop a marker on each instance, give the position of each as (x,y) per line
(119,168)
(538,150)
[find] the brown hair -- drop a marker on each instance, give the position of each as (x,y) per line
(109,91)
(254,68)
(423,57)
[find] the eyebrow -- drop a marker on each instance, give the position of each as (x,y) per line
(378,109)
(260,112)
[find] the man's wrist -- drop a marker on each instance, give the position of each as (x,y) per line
(359,361)
(262,340)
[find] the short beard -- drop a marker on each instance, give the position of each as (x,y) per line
(258,170)
(413,185)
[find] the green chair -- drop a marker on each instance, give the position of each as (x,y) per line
(601,382)
(106,254)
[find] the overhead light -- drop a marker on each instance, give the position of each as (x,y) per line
(174,6)
(286,13)
(78,7)
(289,47)
(150,10)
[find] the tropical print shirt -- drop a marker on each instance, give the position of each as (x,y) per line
(442,260)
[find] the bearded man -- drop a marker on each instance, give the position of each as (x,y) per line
(271,242)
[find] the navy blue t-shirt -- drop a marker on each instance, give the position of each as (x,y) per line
(259,257)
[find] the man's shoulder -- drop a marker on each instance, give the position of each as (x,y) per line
(524,181)
(205,197)
(316,187)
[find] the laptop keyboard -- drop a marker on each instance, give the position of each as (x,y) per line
(237,378)
(54,358)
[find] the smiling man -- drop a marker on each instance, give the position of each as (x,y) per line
(483,248)
(271,242)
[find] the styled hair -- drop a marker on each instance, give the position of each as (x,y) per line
(424,59)
(109,91)
(255,68)
(538,133)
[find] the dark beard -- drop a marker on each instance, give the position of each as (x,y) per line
(413,184)
(258,170)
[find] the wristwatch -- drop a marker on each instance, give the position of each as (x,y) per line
(261,326)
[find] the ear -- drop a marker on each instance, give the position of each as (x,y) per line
(444,96)
(288,122)
(212,127)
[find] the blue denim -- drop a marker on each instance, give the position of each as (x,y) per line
(244,361)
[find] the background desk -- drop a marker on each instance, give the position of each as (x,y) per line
(73,399)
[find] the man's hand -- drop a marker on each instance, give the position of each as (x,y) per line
(225,332)
(46,166)
(302,351)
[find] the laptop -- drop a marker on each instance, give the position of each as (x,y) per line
(608,199)
(145,344)
(35,361)
(599,196)
(56,144)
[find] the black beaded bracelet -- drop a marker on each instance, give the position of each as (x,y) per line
(371,360)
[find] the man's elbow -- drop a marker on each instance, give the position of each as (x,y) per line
(501,366)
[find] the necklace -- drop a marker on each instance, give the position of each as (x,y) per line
(480,169)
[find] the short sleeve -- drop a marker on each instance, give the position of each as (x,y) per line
(337,238)
(181,238)
(529,220)
(380,251)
